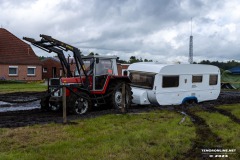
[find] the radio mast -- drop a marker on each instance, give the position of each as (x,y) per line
(190,60)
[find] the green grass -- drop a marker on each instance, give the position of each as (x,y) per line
(155,135)
(234,109)
(22,87)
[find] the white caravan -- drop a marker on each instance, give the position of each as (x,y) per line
(173,84)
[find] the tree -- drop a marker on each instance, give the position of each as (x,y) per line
(91,54)
(223,65)
(41,57)
(133,59)
(121,61)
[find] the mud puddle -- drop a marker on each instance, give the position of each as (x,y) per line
(6,107)
(16,101)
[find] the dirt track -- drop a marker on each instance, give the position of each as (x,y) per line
(36,116)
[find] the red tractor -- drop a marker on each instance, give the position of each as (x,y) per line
(95,82)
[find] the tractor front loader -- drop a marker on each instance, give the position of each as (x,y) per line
(95,81)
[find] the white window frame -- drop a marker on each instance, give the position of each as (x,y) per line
(195,78)
(44,70)
(15,67)
(33,67)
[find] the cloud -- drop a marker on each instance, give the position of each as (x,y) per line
(152,29)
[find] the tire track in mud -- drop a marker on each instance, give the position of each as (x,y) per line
(205,138)
(213,109)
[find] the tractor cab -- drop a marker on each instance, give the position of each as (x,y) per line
(98,69)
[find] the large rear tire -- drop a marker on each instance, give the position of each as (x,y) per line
(116,97)
(79,104)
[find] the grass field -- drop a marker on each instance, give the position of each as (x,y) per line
(148,135)
(154,135)
(22,87)
(151,135)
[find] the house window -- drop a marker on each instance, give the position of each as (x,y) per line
(170,81)
(213,79)
(44,70)
(13,70)
(197,78)
(31,71)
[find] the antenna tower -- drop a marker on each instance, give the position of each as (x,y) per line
(190,60)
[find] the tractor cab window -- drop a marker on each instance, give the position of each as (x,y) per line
(88,64)
(103,67)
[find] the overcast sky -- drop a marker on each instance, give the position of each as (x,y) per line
(151,29)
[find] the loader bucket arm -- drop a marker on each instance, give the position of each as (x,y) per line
(67,47)
(49,48)
(49,44)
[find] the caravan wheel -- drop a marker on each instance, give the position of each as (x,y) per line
(190,103)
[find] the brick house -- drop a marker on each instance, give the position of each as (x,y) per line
(17,59)
(122,68)
(51,68)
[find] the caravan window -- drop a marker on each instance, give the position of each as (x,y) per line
(170,81)
(213,79)
(197,78)
(142,80)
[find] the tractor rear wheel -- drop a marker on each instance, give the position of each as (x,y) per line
(116,97)
(79,104)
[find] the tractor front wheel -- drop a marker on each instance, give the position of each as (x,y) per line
(79,104)
(44,103)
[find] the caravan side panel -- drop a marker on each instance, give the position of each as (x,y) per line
(182,88)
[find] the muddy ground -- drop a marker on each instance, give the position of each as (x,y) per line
(36,116)
(12,119)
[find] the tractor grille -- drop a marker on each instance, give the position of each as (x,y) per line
(54,83)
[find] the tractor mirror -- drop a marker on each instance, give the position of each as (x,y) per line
(97,60)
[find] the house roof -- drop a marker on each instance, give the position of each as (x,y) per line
(51,58)
(14,51)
